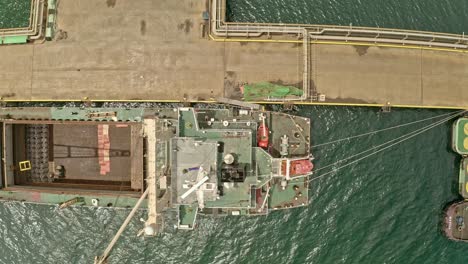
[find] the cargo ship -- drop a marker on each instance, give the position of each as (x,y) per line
(185,161)
(456,215)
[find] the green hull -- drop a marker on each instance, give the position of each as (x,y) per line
(44,197)
(460,136)
(463,178)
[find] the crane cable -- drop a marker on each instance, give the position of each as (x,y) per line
(380,130)
(385,143)
(414,133)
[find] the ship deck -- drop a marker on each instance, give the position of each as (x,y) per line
(457,221)
(460,136)
(295,194)
(194,160)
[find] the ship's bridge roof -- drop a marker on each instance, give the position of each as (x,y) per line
(192,160)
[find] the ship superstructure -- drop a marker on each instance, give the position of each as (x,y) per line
(222,165)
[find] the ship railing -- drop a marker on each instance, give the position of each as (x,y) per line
(221,28)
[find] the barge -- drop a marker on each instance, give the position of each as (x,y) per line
(456,215)
(183,161)
(460,136)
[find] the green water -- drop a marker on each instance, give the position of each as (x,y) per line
(14,13)
(386,209)
(449,16)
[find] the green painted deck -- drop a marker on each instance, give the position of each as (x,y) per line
(14,13)
(238,135)
(262,163)
(13,40)
(187,215)
(191,144)
(235,140)
(238,197)
(460,136)
(463,178)
(188,126)
(42,197)
(295,194)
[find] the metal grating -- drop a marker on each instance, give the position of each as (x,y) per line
(37,146)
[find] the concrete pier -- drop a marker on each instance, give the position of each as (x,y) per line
(161,50)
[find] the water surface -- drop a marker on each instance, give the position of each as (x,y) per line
(449,16)
(14,13)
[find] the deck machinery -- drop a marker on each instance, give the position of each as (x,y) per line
(185,161)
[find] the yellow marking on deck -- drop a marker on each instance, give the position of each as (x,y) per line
(368,44)
(25,165)
(466,129)
(466,187)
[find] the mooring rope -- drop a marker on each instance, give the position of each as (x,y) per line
(403,139)
(380,130)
